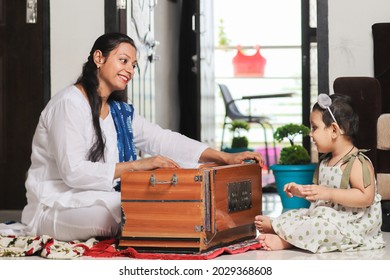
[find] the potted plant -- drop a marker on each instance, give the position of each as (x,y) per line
(239,141)
(294,164)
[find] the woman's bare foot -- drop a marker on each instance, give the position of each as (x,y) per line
(272,242)
(263,224)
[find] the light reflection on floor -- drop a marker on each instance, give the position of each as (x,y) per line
(272,205)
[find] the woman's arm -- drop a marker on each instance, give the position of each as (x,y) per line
(149,163)
(212,155)
(185,151)
(69,135)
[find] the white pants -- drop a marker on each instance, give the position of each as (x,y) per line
(68,224)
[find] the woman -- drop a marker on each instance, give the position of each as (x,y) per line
(86,138)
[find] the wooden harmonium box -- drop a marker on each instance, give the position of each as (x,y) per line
(190,210)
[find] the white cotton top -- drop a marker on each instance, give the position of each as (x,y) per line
(60,172)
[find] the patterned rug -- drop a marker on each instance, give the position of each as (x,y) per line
(50,248)
(106,249)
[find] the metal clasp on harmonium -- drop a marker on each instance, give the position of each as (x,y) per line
(153,181)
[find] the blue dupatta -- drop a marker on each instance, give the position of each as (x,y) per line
(122,113)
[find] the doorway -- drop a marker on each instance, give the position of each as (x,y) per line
(24,90)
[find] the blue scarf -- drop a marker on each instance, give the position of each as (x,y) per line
(122,114)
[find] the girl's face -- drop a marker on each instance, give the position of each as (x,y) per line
(117,69)
(320,134)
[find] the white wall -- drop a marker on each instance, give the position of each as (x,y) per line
(74,27)
(167,31)
(350,36)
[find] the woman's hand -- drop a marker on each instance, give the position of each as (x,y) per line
(235,158)
(154,162)
(149,163)
(211,155)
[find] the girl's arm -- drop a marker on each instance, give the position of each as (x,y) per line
(356,196)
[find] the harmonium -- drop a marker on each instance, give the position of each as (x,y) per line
(190,210)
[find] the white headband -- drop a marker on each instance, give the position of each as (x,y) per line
(324,101)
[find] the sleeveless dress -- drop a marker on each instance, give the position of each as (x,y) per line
(328,226)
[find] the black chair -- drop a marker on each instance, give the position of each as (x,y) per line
(233,114)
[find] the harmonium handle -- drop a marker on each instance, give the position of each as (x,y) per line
(153,181)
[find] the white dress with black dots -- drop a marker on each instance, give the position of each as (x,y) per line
(327,226)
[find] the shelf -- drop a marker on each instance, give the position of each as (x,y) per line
(226,48)
(264,78)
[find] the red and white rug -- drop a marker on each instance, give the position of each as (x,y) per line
(50,248)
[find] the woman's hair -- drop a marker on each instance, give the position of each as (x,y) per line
(344,112)
(89,80)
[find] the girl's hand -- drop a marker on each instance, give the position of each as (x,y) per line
(316,192)
(293,189)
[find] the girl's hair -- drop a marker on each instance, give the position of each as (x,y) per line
(89,80)
(344,112)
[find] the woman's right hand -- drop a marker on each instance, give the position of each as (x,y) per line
(148,163)
(154,162)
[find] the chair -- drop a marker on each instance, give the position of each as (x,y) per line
(374,127)
(365,93)
(232,113)
(374,124)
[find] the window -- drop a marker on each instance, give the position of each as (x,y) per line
(274,26)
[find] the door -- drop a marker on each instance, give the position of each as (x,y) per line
(196,71)
(24,90)
(135,18)
(206,77)
(140,27)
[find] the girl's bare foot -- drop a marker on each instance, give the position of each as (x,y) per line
(272,242)
(263,224)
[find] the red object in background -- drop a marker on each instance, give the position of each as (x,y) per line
(248,65)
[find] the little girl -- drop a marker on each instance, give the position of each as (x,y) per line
(345,213)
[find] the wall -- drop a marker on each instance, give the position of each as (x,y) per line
(167,31)
(74,27)
(350,36)
(75,24)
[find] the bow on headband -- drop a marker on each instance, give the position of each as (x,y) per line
(324,101)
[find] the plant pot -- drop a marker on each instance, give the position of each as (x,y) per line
(300,174)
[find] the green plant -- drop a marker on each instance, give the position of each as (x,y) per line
(293,154)
(239,140)
(223,40)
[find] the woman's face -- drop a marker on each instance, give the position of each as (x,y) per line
(117,69)
(320,134)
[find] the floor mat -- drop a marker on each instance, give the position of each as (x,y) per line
(107,249)
(50,248)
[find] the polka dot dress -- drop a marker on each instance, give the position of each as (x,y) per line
(327,227)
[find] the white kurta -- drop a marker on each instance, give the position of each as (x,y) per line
(60,174)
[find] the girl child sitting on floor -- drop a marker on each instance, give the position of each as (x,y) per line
(345,213)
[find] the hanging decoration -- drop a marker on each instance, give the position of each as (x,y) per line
(248,65)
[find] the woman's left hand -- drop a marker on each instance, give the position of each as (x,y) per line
(212,155)
(235,158)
